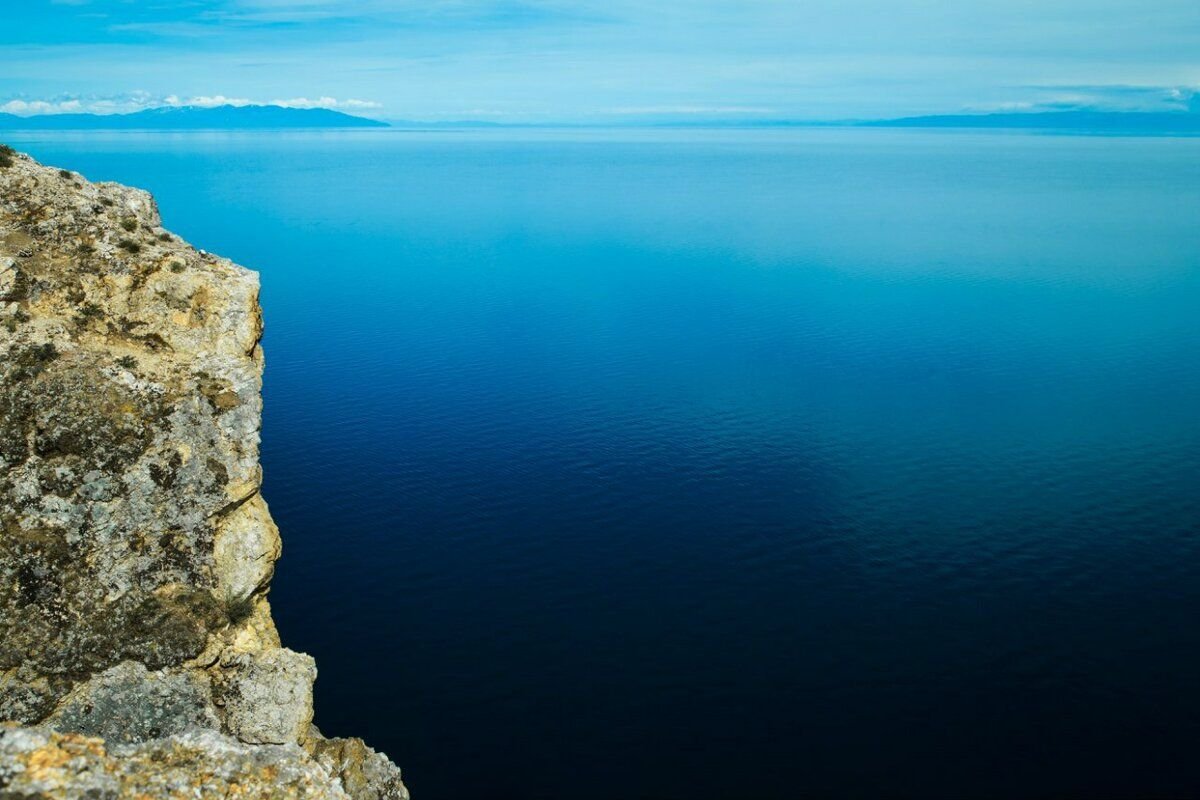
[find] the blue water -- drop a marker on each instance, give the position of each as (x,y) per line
(757,464)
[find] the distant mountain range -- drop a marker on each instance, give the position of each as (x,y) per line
(1162,122)
(278,117)
(194,118)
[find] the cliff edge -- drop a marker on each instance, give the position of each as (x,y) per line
(138,656)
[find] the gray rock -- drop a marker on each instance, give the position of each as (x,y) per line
(128,704)
(268,697)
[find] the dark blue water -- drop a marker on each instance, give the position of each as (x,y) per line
(726,465)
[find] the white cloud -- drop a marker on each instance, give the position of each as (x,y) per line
(690,110)
(326,102)
(139,101)
(1001,106)
(1100,97)
(27,108)
(211,101)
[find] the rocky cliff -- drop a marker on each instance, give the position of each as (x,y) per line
(138,657)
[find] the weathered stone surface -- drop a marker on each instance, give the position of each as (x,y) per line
(37,763)
(268,697)
(135,548)
(245,549)
(365,774)
(128,704)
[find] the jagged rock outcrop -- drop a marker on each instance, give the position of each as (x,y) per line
(138,656)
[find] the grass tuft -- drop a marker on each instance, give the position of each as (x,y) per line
(238,609)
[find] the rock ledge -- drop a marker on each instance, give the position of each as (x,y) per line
(138,657)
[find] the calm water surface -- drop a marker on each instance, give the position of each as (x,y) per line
(726,464)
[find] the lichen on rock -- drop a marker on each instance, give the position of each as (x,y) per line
(37,763)
(136,549)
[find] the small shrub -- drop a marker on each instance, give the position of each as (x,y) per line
(19,290)
(164,237)
(6,155)
(90,311)
(85,249)
(45,353)
(31,361)
(129,246)
(64,173)
(106,201)
(127,362)
(177,267)
(129,224)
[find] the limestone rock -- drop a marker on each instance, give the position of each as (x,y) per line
(136,550)
(268,698)
(36,763)
(245,548)
(365,774)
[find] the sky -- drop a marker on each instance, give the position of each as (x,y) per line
(602,61)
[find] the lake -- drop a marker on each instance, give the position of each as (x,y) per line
(725,464)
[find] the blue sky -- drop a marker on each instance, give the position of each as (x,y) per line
(591,61)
